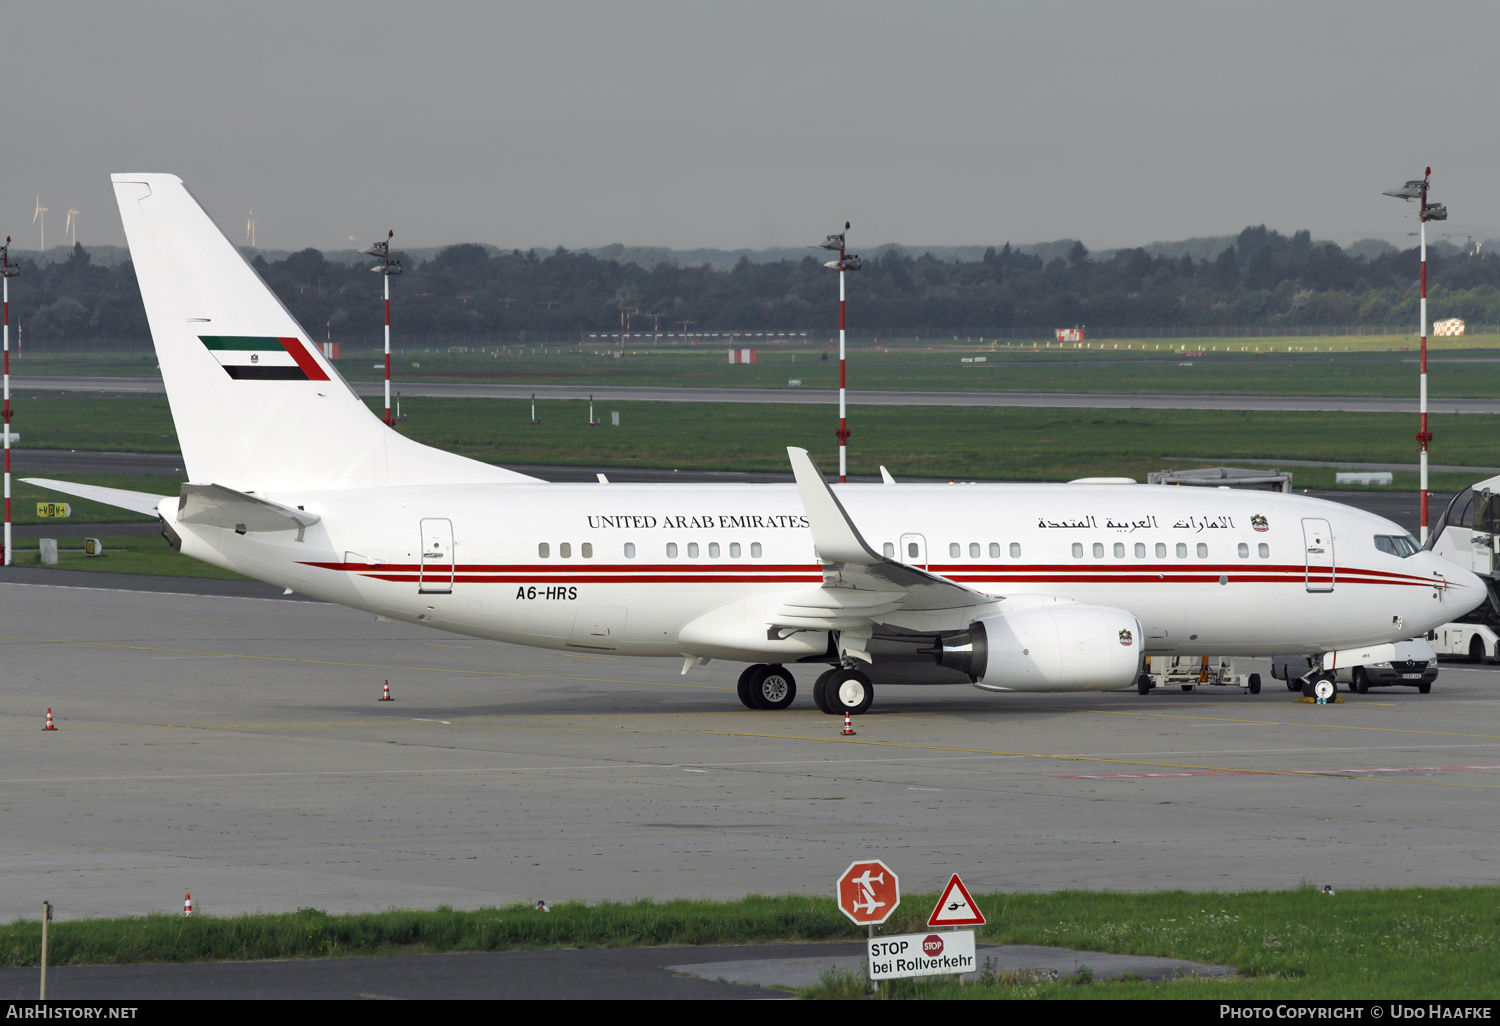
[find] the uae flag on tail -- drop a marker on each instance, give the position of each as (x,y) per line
(264,357)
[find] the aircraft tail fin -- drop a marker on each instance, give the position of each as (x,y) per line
(257,406)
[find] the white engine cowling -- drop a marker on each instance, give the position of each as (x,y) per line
(1063,646)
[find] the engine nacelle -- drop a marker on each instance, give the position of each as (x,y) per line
(1063,646)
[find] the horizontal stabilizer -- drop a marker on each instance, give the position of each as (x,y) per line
(213,505)
(137,502)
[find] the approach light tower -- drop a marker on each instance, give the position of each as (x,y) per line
(849,262)
(385,269)
(8,271)
(1417,190)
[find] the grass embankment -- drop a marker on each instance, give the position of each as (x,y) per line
(1383,365)
(1298,944)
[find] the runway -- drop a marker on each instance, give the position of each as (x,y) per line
(234,747)
(607,393)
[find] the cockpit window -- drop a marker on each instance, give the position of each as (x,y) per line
(1402,545)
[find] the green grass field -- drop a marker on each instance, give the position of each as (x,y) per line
(1383,365)
(123,554)
(930,441)
(1294,945)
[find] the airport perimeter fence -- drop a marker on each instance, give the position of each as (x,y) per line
(532,341)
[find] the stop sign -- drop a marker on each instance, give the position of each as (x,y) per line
(869,892)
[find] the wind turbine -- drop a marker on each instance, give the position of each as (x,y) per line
(41,215)
(72,225)
(250,228)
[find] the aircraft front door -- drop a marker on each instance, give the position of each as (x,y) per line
(1317,538)
(913,550)
(435,571)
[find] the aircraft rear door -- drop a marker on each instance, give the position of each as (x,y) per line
(435,572)
(1317,538)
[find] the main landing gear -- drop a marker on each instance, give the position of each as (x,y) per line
(837,691)
(766,686)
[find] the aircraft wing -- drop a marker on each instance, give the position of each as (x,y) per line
(137,502)
(860,586)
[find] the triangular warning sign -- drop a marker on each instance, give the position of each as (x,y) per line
(955,907)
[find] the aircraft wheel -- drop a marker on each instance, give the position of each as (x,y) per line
(1361,681)
(1143,684)
(820,691)
(849,691)
(1255,683)
(1325,689)
(772,687)
(743,687)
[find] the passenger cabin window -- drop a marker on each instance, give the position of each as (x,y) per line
(1182,550)
(973,550)
(713,550)
(1161,550)
(671,550)
(911,550)
(630,550)
(1402,545)
(888,550)
(1119,550)
(1244,550)
(1263,550)
(1015,550)
(565,550)
(544,550)
(994,550)
(734,550)
(586,550)
(692,550)
(1078,550)
(1098,550)
(1202,550)
(1140,550)
(953,550)
(755,550)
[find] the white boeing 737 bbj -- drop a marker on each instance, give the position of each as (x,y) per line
(1006,587)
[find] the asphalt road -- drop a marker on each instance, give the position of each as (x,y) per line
(235,747)
(712,972)
(607,393)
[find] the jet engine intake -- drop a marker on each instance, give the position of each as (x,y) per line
(1062,646)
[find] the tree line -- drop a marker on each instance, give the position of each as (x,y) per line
(1263,279)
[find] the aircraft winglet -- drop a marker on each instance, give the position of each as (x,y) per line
(834,534)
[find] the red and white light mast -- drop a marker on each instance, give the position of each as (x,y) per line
(386,268)
(844,263)
(1417,190)
(8,271)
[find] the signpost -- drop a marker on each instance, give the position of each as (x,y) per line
(869,892)
(922,954)
(955,907)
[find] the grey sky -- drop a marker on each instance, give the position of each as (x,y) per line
(752,124)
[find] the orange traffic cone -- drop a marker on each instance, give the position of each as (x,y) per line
(385,695)
(50,725)
(187,903)
(848,730)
